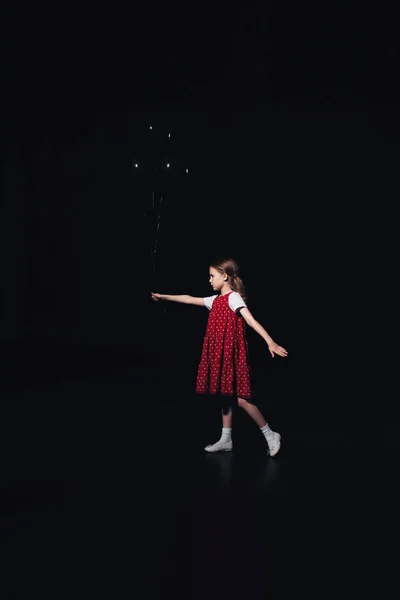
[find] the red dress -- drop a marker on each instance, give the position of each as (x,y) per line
(224,365)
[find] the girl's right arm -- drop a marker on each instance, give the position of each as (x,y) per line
(183,299)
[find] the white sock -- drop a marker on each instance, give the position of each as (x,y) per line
(268,433)
(226,435)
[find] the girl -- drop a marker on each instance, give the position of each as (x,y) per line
(224,366)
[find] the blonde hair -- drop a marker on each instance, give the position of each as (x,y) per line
(229,267)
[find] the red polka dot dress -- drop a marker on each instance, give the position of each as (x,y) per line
(224,365)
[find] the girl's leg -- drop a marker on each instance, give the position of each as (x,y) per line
(273,438)
(227,418)
(253,412)
(225,441)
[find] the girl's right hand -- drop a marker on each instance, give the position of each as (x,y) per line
(156,297)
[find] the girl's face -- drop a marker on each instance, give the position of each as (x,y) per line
(216,280)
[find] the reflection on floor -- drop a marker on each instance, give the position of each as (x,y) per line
(105,489)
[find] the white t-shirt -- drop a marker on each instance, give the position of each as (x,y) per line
(235,301)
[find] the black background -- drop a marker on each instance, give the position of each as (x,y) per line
(287,117)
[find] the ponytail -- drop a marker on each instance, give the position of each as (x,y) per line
(238,286)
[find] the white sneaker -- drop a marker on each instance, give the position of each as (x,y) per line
(219,447)
(274,445)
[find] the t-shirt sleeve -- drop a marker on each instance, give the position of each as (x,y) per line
(236,301)
(208,301)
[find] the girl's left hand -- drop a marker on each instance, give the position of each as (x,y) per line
(275,349)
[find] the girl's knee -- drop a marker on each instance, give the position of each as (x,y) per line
(242,402)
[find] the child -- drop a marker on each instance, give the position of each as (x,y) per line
(224,366)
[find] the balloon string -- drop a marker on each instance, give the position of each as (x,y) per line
(154,246)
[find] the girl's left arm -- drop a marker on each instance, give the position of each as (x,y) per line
(274,348)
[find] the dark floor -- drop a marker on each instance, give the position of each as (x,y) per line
(105,490)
